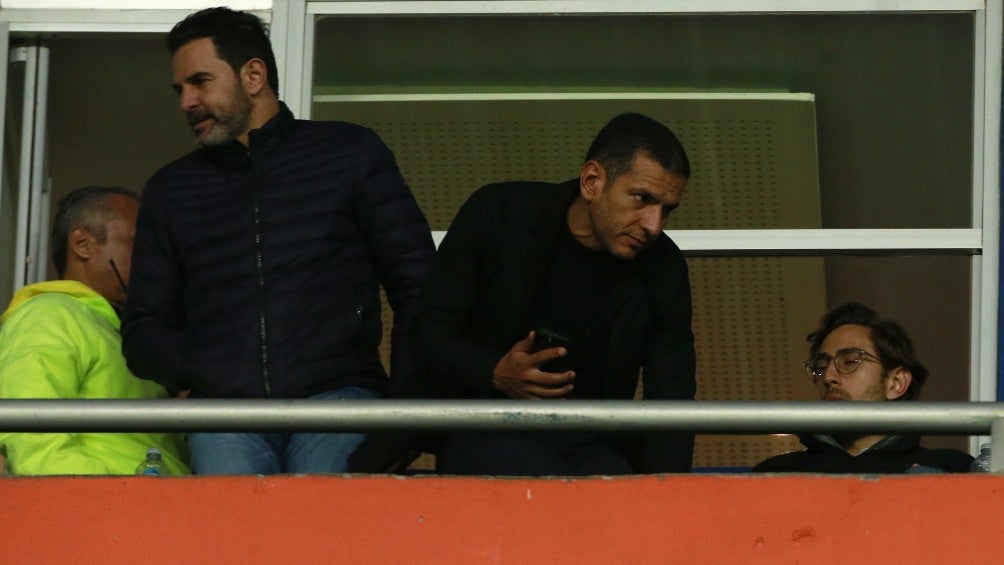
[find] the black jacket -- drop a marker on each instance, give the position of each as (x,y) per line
(256,272)
(477,303)
(892,454)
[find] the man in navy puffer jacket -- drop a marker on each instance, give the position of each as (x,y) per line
(259,257)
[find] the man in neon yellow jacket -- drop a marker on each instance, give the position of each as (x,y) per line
(60,339)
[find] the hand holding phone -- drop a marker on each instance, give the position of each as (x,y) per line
(548,339)
(521,374)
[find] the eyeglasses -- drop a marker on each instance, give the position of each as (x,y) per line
(846,361)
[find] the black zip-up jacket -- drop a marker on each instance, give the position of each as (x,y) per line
(256,272)
(892,454)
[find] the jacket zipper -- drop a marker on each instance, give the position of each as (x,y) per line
(259,261)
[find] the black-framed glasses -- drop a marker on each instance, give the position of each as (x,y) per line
(846,361)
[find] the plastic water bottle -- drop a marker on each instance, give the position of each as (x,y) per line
(153,465)
(982,462)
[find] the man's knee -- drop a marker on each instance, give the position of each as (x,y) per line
(234,454)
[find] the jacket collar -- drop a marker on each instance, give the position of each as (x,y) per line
(553,217)
(263,140)
(72,288)
(891,443)
(550,226)
(547,229)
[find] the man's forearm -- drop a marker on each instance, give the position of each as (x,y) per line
(152,350)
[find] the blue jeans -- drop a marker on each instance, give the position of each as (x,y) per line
(271,453)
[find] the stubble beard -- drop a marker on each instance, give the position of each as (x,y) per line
(606,234)
(227,125)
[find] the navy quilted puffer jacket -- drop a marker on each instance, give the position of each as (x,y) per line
(256,272)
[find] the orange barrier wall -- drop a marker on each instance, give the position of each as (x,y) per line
(378,519)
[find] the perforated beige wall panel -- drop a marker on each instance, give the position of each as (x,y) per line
(753,159)
(751,317)
(754,166)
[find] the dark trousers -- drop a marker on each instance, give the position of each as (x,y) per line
(532,454)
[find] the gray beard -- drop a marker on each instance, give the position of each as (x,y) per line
(223,132)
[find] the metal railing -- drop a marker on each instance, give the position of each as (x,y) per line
(706,417)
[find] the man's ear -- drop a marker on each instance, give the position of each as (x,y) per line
(897,382)
(592,179)
(81,243)
(254,76)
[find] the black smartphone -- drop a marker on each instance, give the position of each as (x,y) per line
(547,339)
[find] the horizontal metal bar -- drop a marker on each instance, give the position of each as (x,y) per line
(94,20)
(554,7)
(821,241)
(830,240)
(940,418)
(533,95)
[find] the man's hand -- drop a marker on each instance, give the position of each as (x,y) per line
(518,373)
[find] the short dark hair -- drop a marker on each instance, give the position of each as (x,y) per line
(894,347)
(624,137)
(238,38)
(83,208)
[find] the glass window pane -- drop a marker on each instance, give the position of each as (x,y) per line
(890,128)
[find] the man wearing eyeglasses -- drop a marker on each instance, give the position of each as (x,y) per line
(858,356)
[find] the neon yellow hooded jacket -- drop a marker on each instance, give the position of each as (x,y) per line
(60,339)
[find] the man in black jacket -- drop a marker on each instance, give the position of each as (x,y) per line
(543,292)
(259,257)
(857,356)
